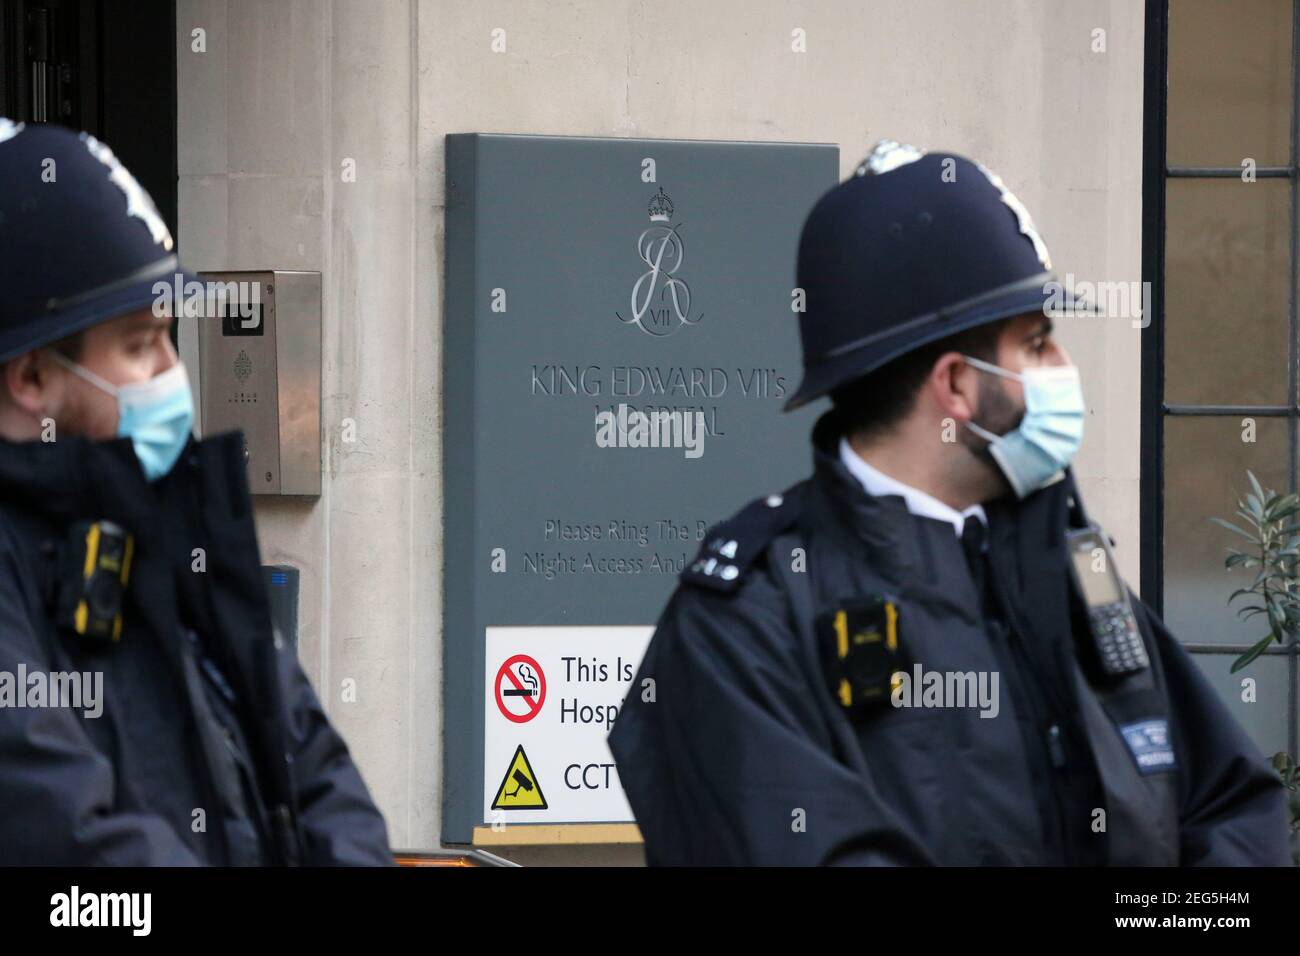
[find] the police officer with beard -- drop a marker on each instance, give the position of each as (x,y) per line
(922,654)
(191,735)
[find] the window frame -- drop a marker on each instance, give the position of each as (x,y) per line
(1156,173)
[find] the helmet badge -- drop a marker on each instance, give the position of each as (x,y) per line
(138,203)
(1023,218)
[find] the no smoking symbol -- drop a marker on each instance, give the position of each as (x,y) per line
(520,689)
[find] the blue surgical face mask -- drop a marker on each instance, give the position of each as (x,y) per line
(156,415)
(1047,438)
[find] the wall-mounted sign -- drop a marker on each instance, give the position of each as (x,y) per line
(619,340)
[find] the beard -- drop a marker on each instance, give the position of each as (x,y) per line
(997,412)
(85,411)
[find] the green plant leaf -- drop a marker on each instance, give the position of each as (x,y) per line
(1232,527)
(1254,483)
(1245,659)
(1283,507)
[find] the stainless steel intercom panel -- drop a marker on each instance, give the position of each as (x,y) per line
(260,359)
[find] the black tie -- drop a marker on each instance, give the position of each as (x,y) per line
(972,542)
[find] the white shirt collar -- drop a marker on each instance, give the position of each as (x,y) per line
(877,483)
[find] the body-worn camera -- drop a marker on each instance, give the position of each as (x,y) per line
(860,651)
(94,569)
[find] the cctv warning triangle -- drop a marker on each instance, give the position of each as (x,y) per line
(519,788)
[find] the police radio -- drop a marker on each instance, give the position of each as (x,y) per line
(93,574)
(1116,646)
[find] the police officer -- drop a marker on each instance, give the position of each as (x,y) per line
(183,730)
(919,655)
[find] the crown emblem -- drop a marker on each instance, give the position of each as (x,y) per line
(660,207)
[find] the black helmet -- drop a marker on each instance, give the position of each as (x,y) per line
(913,247)
(80,240)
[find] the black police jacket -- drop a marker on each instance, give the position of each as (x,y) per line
(140,783)
(733,748)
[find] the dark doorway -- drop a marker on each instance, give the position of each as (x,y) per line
(104,66)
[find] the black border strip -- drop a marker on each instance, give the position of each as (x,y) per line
(1151,490)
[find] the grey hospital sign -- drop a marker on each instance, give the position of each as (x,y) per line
(619,342)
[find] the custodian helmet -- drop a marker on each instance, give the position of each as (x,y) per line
(913,247)
(80,240)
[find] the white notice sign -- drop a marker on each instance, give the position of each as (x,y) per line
(551,697)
